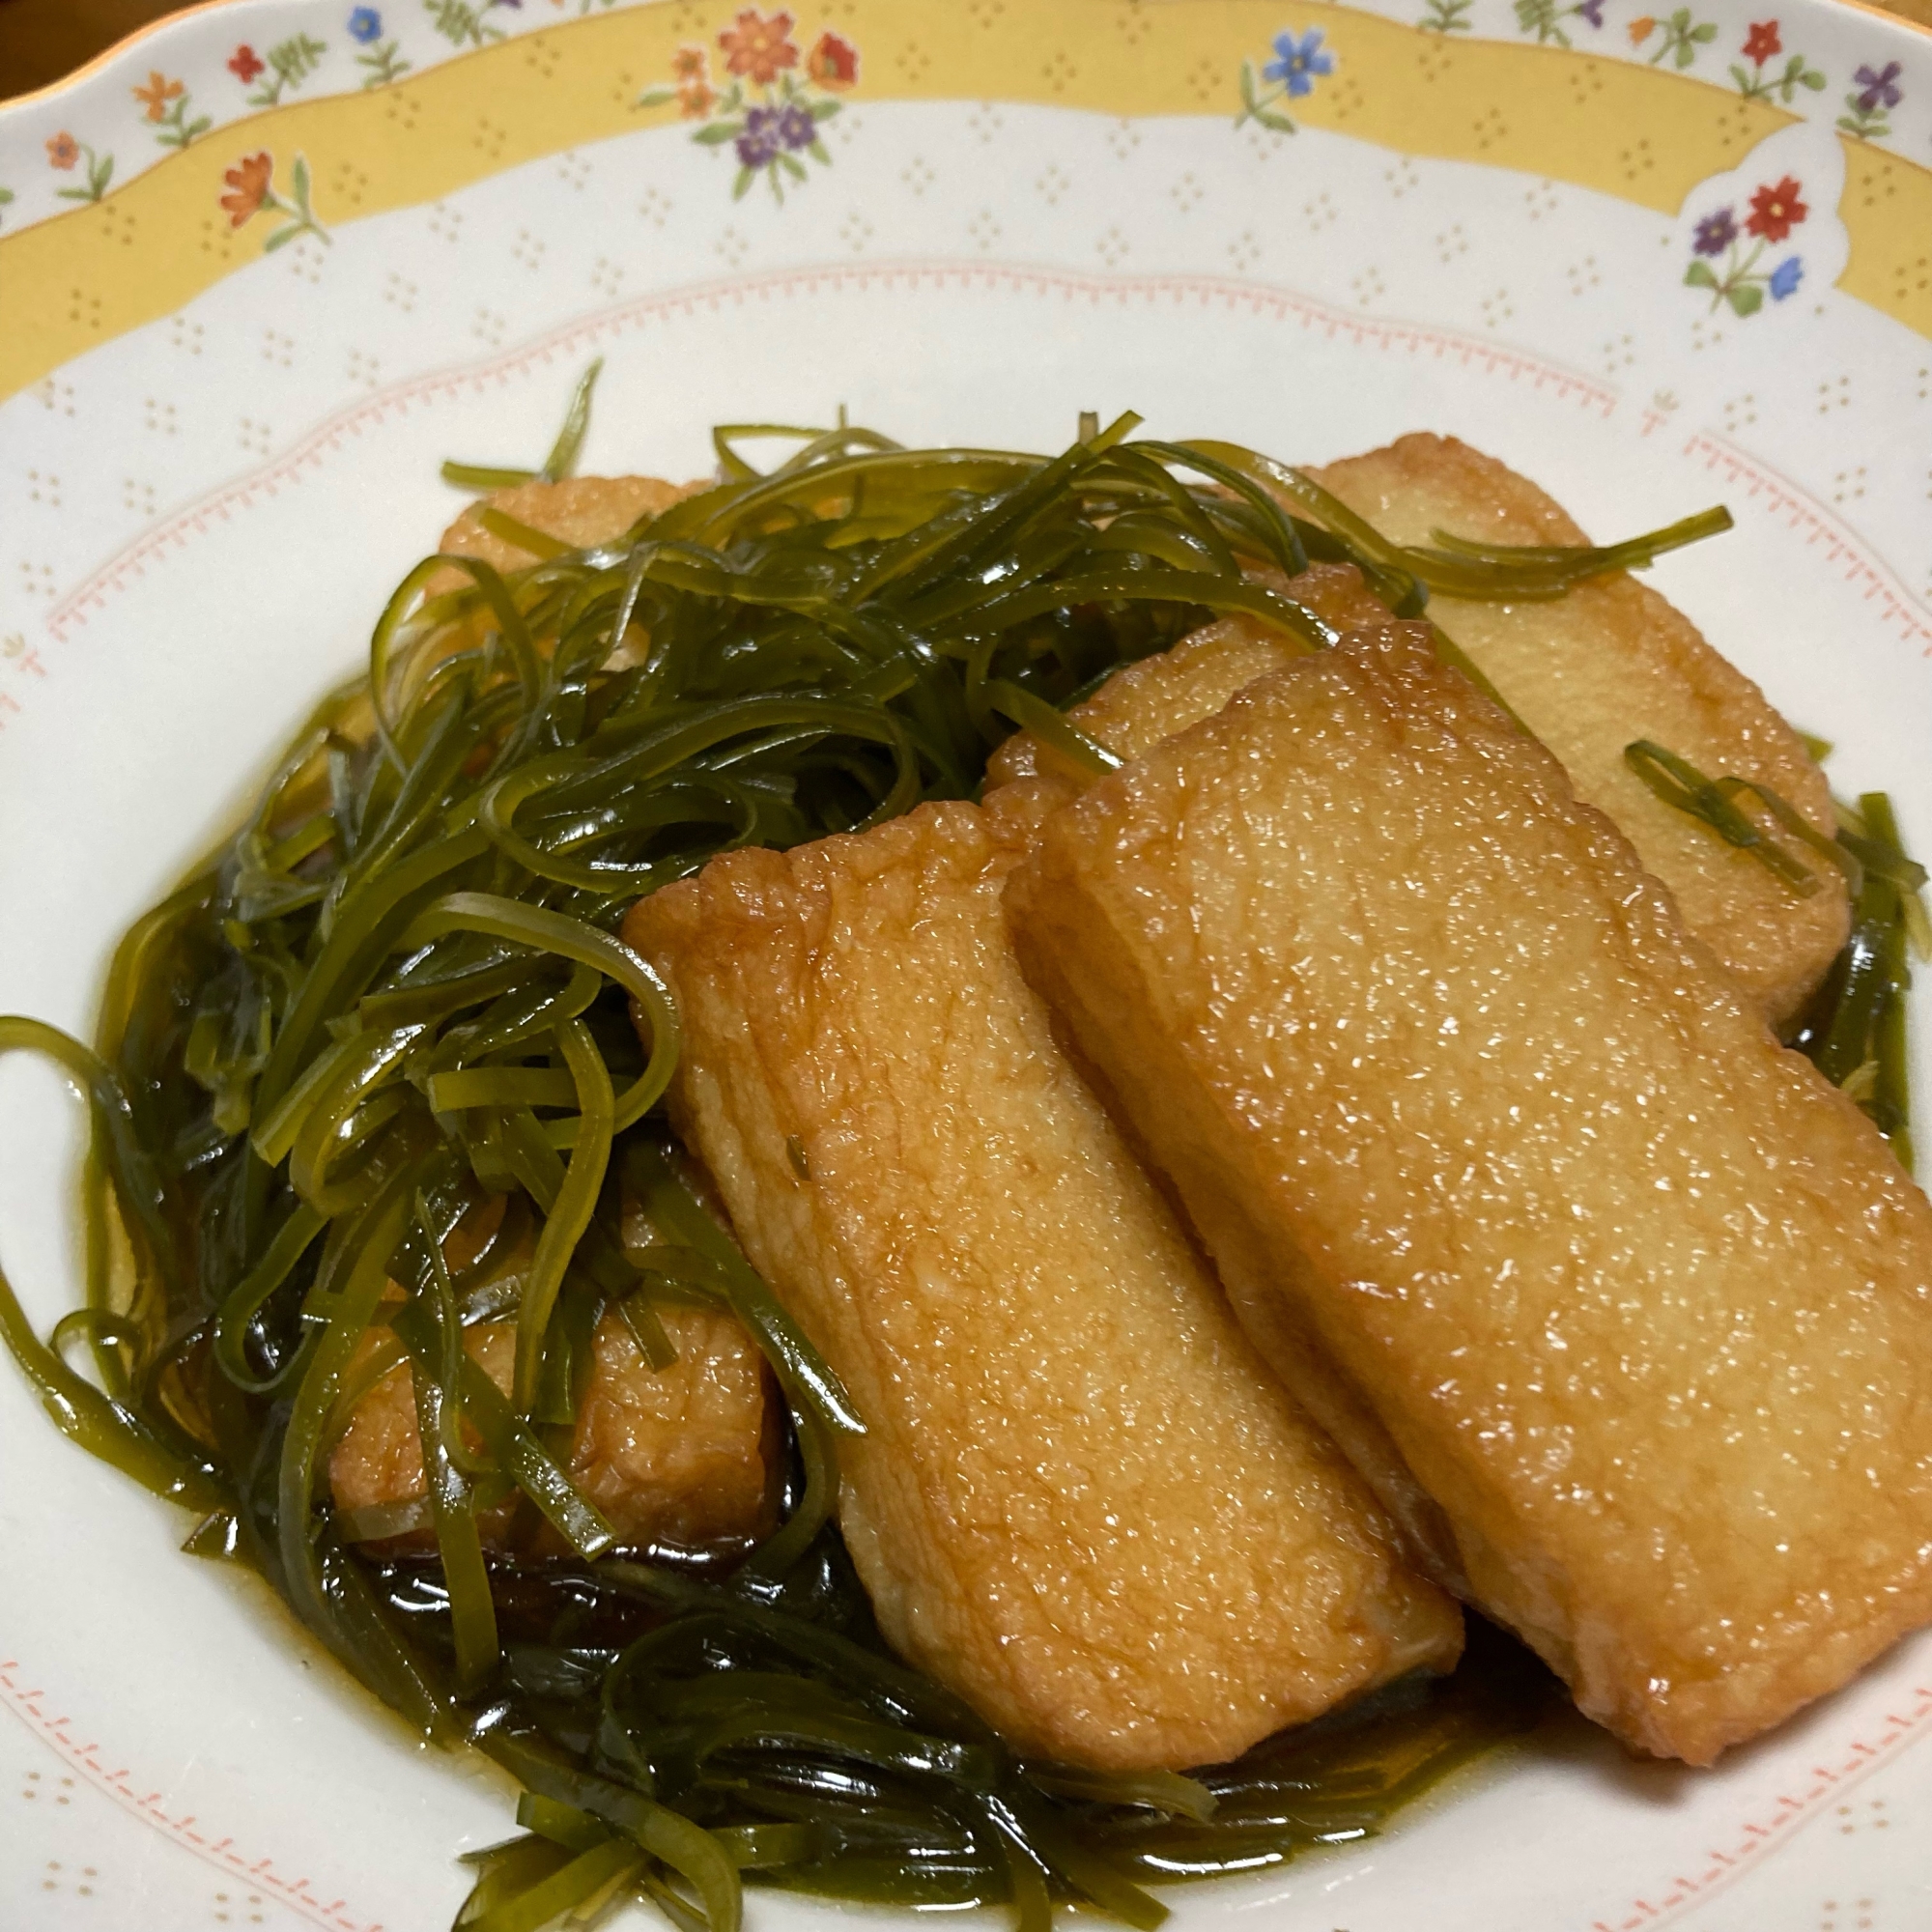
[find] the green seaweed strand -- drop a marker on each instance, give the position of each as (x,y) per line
(1853,1030)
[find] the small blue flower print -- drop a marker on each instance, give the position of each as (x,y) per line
(1297,62)
(1786,277)
(364,24)
(1716,233)
(796,129)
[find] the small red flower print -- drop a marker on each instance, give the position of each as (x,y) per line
(248,187)
(244,64)
(834,63)
(1639,29)
(1776,211)
(758,47)
(1762,41)
(689,64)
(157,94)
(63,151)
(696,99)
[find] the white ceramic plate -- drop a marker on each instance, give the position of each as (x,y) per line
(306,250)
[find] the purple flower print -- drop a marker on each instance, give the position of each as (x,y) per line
(796,128)
(1880,89)
(1786,277)
(1716,233)
(768,104)
(1591,11)
(758,145)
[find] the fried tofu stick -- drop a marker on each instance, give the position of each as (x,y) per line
(1590,673)
(1611,663)
(580,511)
(675,1455)
(1083,1502)
(1626,1310)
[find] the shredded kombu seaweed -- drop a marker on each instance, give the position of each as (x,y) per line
(1853,1029)
(389,1024)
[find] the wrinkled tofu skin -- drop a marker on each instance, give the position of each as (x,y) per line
(1611,662)
(1082,1502)
(1487,1148)
(669,1455)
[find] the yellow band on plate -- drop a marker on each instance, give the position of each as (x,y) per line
(1626,130)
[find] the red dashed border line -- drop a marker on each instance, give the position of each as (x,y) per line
(1802,517)
(1183,291)
(1767,1832)
(1756,1837)
(298,1894)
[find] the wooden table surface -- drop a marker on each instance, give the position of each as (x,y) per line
(41,40)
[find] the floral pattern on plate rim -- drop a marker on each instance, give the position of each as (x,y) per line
(764,112)
(250,190)
(169,106)
(374,46)
(1762,45)
(1776,209)
(1300,61)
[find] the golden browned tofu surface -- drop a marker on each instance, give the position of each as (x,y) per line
(1149,700)
(1083,1502)
(1611,662)
(580,511)
(1490,1153)
(669,1455)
